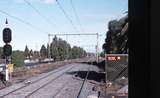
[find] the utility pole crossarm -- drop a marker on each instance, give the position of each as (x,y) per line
(76,34)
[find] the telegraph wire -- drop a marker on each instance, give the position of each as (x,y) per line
(77,17)
(38,12)
(18,19)
(66,15)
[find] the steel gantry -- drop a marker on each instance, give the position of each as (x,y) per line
(76,34)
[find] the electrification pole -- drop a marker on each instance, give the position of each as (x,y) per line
(97,50)
(49,52)
(67,50)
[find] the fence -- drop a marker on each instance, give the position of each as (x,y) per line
(116,68)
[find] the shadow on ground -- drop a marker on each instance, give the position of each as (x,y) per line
(98,77)
(100,65)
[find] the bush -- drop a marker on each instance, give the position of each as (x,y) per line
(18,58)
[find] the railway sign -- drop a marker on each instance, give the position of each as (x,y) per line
(113,58)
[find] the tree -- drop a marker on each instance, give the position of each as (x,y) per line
(61,50)
(78,52)
(18,58)
(26,52)
(74,52)
(36,55)
(43,52)
(54,48)
(30,54)
(117,41)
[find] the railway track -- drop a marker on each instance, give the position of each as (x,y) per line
(60,90)
(28,95)
(54,86)
(82,85)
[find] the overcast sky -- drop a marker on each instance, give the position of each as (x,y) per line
(93,15)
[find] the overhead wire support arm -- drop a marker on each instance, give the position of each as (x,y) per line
(76,34)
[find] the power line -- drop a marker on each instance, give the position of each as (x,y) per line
(66,15)
(18,19)
(38,12)
(77,18)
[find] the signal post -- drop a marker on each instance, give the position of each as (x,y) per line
(7,48)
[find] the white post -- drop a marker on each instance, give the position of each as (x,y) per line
(7,73)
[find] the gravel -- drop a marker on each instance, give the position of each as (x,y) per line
(65,86)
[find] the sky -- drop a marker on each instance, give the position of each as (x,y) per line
(32,27)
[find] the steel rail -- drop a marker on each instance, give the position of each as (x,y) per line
(30,94)
(32,82)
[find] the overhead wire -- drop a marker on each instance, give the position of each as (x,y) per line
(42,16)
(18,19)
(65,14)
(76,15)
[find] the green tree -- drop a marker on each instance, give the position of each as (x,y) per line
(26,52)
(54,48)
(30,54)
(78,52)
(43,51)
(18,58)
(36,55)
(61,50)
(116,41)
